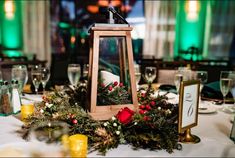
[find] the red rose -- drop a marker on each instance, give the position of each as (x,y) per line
(141,106)
(115,83)
(152,103)
(142,111)
(148,107)
(125,115)
(110,88)
(120,84)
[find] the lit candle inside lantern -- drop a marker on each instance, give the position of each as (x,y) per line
(78,145)
(26,111)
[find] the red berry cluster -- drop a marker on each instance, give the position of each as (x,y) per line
(110,88)
(72,118)
(147,107)
(45,98)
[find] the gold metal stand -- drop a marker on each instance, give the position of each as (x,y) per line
(188,138)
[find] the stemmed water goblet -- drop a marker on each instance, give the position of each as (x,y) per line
(45,77)
(150,74)
(20,73)
(36,76)
(74,72)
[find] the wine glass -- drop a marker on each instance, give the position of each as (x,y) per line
(177,80)
(74,72)
(137,75)
(186,72)
(36,75)
(20,73)
(202,76)
(84,75)
(225,84)
(150,74)
(85,71)
(45,77)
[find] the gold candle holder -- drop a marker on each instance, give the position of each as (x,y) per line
(78,145)
(188,138)
(75,145)
(26,111)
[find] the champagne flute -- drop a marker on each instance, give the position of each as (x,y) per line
(20,73)
(202,76)
(36,75)
(45,77)
(225,84)
(150,74)
(74,72)
(177,80)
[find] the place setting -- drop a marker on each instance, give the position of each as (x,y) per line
(39,77)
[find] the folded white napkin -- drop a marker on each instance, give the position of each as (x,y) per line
(108,77)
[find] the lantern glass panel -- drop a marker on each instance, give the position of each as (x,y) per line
(113,69)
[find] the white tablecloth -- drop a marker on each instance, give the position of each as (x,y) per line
(213,130)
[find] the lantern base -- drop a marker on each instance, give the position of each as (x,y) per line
(106,112)
(102,116)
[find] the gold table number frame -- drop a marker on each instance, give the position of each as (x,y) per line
(188,110)
(97,32)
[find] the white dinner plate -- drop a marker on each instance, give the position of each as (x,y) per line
(229,109)
(206,110)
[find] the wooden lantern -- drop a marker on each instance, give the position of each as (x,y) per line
(108,38)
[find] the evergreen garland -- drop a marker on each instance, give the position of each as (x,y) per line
(152,127)
(113,94)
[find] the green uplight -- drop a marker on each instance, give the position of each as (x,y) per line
(192,57)
(190,32)
(11,29)
(64,25)
(12,53)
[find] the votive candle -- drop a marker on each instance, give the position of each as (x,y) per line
(26,111)
(78,145)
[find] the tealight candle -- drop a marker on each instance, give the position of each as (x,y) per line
(26,111)
(78,145)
